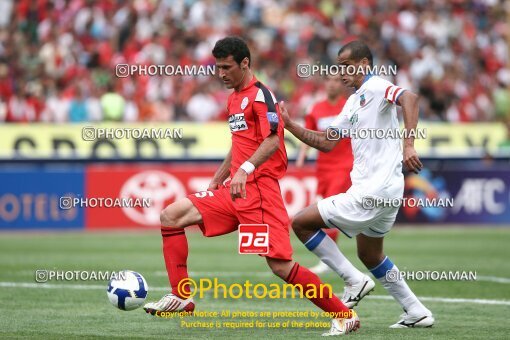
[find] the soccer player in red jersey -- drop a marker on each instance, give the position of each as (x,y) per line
(257,159)
(332,168)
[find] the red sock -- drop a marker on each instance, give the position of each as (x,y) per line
(304,277)
(333,233)
(175,251)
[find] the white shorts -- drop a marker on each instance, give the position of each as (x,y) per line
(346,213)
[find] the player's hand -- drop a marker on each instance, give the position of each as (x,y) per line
(411,160)
(238,185)
(284,113)
(214,185)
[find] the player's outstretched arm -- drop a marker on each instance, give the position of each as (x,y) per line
(222,173)
(315,139)
(409,102)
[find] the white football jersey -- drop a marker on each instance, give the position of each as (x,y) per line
(377,169)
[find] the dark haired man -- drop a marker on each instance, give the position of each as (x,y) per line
(256,161)
(376,178)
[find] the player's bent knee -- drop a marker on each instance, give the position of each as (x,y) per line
(167,217)
(297,224)
(307,220)
(294,224)
(180,214)
(171,216)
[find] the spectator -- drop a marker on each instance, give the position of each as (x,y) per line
(57,107)
(95,113)
(452,52)
(112,105)
(78,108)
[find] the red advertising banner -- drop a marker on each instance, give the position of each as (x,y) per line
(163,185)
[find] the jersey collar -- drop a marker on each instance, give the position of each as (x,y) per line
(250,84)
(367,78)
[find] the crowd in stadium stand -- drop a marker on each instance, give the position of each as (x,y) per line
(58,57)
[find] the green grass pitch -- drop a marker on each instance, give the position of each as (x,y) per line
(69,310)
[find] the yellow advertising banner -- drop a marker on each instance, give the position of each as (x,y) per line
(206,141)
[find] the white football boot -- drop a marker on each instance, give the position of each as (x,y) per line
(408,320)
(344,326)
(353,294)
(170,303)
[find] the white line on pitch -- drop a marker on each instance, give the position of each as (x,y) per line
(165,289)
(493,279)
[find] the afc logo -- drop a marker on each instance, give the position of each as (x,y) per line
(253,239)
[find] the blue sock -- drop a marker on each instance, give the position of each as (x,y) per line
(382,268)
(326,249)
(397,287)
(315,240)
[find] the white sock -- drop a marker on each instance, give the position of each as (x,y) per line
(326,249)
(389,276)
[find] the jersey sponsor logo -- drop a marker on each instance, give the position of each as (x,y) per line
(244,103)
(253,239)
(237,122)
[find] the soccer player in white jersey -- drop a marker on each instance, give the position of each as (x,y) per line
(376,176)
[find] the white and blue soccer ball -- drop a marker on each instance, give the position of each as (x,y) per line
(127,290)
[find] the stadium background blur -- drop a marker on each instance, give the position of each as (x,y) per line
(57,77)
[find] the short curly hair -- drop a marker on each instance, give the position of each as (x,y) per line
(234,46)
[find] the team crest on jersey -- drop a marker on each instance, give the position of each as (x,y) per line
(244,103)
(237,122)
(362,100)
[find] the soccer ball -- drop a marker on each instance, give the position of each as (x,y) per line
(128,290)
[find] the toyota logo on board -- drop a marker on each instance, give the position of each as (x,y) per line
(161,187)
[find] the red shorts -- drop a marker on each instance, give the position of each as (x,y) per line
(333,182)
(263,205)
